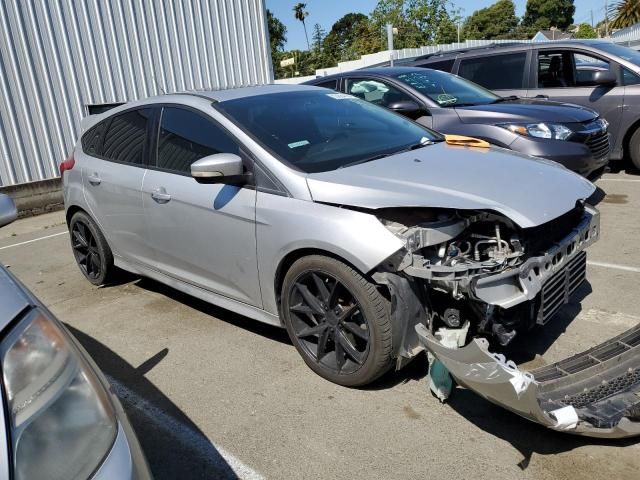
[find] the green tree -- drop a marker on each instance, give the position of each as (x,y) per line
(543,14)
(300,13)
(624,13)
(341,43)
(277,39)
(432,21)
(497,21)
(585,31)
(317,37)
(393,12)
(419,22)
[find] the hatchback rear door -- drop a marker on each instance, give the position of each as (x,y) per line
(113,166)
(201,234)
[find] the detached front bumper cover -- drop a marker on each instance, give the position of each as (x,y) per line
(595,393)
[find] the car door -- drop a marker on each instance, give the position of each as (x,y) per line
(565,75)
(383,93)
(505,74)
(202,234)
(113,166)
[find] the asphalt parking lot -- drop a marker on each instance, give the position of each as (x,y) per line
(215,395)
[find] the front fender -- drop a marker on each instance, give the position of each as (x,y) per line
(285,225)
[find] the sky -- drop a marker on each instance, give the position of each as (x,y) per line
(326,12)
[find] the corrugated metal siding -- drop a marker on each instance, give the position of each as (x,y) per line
(57,56)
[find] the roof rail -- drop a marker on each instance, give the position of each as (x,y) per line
(468,49)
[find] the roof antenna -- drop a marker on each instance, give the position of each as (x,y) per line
(155,80)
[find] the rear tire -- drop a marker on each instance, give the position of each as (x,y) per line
(90,249)
(337,320)
(634,149)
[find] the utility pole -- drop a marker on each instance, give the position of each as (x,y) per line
(606,19)
(592,26)
(390,42)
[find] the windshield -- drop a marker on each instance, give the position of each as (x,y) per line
(447,90)
(318,131)
(625,53)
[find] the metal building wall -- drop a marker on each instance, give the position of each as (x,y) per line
(58,56)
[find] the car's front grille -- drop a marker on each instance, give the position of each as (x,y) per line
(558,288)
(598,143)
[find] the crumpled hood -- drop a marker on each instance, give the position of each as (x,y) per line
(526,110)
(528,191)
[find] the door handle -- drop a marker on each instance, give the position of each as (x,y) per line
(160,195)
(94,179)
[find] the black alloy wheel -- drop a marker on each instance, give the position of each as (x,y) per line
(85,249)
(90,249)
(328,322)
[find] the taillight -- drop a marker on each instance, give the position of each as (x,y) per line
(67,164)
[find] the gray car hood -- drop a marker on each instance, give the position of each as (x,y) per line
(528,191)
(526,110)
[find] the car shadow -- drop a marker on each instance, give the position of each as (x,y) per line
(259,328)
(527,437)
(174,446)
(623,166)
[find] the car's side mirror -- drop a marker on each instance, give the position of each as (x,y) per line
(218,168)
(8,210)
(408,108)
(604,77)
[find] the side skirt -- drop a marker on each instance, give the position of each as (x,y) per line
(197,292)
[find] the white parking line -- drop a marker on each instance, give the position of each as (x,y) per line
(614,266)
(34,240)
(186,435)
(632,180)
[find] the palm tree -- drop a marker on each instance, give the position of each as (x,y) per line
(625,13)
(301,14)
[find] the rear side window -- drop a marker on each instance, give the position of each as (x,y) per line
(332,84)
(92,139)
(442,65)
(495,72)
(126,136)
(186,136)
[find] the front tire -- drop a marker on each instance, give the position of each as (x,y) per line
(337,320)
(90,249)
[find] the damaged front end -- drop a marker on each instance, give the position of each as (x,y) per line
(482,268)
(595,393)
(477,274)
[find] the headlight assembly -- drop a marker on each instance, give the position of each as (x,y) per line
(555,131)
(61,419)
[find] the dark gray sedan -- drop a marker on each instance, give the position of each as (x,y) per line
(568,134)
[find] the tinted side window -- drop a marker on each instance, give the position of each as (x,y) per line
(495,72)
(186,136)
(375,91)
(630,78)
(92,139)
(125,138)
(332,84)
(442,65)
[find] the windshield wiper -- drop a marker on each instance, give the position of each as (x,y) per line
(510,98)
(365,160)
(383,155)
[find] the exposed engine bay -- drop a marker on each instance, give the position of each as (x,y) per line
(482,268)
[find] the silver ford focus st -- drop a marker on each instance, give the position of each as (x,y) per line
(369,237)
